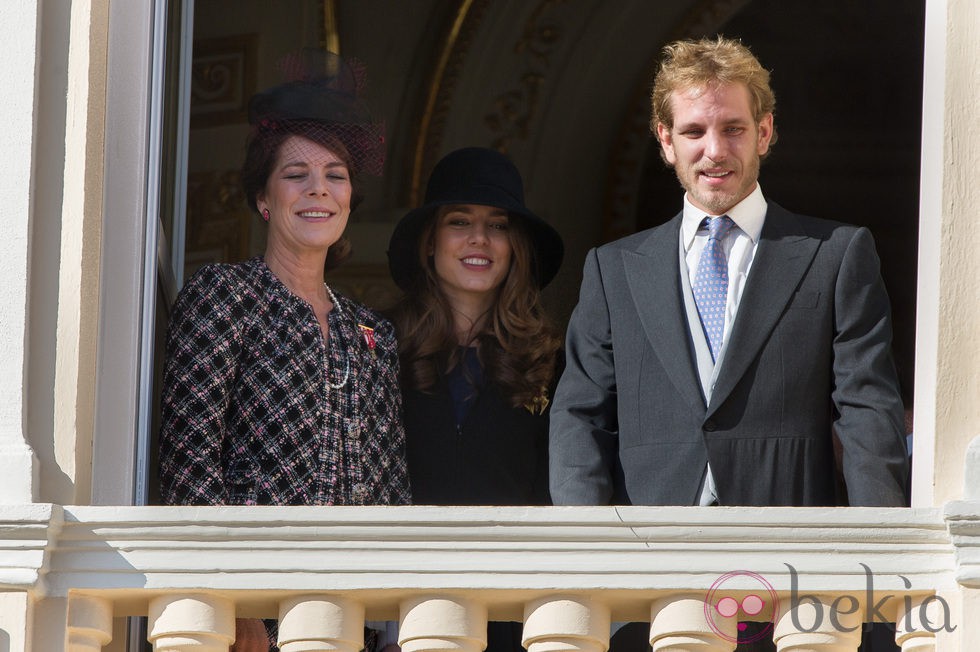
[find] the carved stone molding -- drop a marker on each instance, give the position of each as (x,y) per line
(514,110)
(223,77)
(218,222)
(27,535)
(442,84)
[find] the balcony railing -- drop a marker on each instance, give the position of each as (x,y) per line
(566,573)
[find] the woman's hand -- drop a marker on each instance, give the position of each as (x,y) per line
(250,636)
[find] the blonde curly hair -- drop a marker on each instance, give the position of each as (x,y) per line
(701,63)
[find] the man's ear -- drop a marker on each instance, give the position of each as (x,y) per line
(666,142)
(765,134)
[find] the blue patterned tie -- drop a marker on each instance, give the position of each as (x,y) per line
(711,282)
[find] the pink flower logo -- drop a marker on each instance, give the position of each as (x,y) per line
(744,595)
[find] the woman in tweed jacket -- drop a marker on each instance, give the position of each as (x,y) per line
(256,410)
(277,390)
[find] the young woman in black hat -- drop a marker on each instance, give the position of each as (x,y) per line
(479,356)
(277,389)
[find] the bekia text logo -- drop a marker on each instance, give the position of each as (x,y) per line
(759,603)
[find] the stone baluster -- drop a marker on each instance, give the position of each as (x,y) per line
(442,623)
(563,623)
(681,624)
(311,623)
(820,624)
(916,622)
(198,622)
(89,623)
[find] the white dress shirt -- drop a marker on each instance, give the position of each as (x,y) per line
(740,246)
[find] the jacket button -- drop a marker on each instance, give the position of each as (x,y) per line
(360,494)
(709,426)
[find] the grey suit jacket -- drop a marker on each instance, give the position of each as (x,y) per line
(809,352)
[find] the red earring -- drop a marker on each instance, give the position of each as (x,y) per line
(265,214)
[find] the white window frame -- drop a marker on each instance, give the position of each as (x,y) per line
(134,256)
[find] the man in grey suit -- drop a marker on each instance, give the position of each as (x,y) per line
(711,358)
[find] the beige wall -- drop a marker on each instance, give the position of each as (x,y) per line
(18,31)
(66,246)
(947,402)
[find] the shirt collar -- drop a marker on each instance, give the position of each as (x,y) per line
(748,215)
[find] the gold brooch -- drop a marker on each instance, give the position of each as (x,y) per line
(539,403)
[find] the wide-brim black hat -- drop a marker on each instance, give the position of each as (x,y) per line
(473,175)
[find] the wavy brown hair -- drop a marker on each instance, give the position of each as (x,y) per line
(517,344)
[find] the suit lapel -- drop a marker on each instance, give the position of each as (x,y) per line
(653,274)
(784,254)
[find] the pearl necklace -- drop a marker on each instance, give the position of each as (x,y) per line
(326,349)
